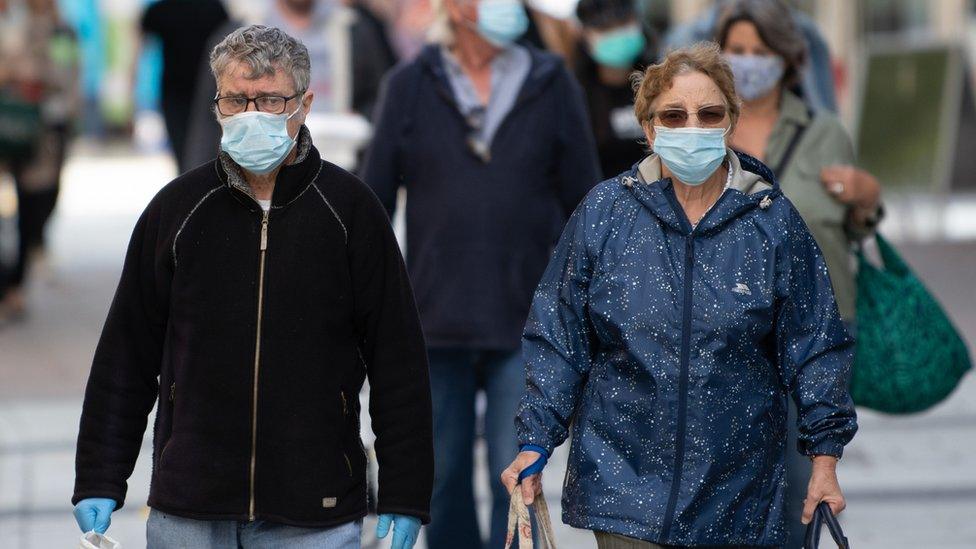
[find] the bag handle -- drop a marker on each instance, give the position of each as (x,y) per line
(518,520)
(890,260)
(821,516)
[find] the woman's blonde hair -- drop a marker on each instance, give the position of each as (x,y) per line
(704,57)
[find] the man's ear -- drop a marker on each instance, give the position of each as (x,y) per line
(307,101)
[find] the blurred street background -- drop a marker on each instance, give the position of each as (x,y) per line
(902,66)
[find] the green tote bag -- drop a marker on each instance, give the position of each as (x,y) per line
(909,356)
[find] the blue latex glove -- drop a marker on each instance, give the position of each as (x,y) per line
(405,530)
(537,465)
(94,514)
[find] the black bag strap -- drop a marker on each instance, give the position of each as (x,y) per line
(784,160)
(821,516)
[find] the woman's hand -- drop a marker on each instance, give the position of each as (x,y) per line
(851,186)
(531,485)
(823,487)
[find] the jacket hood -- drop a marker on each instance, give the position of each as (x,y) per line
(752,186)
(544,68)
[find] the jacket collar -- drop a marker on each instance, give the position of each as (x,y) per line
(292,179)
(544,68)
(752,185)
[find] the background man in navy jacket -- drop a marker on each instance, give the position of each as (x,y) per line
(491,141)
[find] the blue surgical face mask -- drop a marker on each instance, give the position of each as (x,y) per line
(501,22)
(257,141)
(618,48)
(755,75)
(692,154)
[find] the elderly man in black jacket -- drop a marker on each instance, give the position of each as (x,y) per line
(259,291)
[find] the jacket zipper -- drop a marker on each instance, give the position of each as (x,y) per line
(679,446)
(257,364)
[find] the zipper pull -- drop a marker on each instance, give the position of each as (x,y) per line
(172,392)
(342,395)
(264,232)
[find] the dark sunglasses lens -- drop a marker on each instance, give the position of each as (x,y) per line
(711,116)
(673,118)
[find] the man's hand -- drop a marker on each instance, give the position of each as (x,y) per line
(94,514)
(823,487)
(531,485)
(405,530)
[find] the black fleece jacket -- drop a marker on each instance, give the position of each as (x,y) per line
(257,357)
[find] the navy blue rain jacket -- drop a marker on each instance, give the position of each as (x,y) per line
(672,350)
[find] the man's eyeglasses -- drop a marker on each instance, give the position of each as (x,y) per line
(236,104)
(678,118)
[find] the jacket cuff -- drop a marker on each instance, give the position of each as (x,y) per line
(823,448)
(88,494)
(424,516)
(540,445)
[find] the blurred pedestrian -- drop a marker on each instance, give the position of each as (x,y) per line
(261,290)
(490,140)
(811,155)
(684,304)
(39,56)
(183,27)
(816,81)
(348,48)
(614,45)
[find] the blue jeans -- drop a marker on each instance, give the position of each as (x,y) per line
(164,531)
(456,376)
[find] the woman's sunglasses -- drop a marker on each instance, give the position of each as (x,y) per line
(678,118)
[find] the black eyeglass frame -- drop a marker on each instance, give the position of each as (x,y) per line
(249,100)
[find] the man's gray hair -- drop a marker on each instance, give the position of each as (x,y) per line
(264,50)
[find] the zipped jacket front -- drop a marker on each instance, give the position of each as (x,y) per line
(672,350)
(256,331)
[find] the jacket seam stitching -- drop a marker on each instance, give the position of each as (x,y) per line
(333,210)
(187,219)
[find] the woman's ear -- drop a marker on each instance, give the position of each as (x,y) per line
(648,132)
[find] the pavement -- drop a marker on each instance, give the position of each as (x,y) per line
(910,481)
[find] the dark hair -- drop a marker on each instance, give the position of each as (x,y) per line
(605,13)
(774,22)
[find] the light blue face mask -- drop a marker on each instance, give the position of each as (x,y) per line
(257,141)
(692,154)
(755,75)
(618,48)
(501,22)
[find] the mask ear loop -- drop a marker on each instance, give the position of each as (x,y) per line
(299,106)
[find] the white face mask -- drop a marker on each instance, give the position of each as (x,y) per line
(257,141)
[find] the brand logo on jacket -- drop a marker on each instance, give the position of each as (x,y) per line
(741,288)
(329,503)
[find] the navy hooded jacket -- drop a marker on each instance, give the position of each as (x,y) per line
(673,349)
(479,233)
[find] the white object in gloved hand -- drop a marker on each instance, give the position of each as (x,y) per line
(94,540)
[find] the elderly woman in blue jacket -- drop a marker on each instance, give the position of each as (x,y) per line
(685,302)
